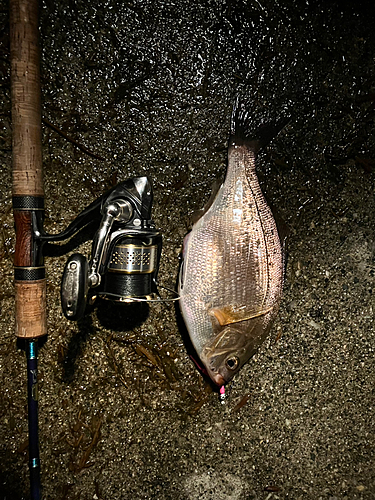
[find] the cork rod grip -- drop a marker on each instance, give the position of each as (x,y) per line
(28,193)
(26,99)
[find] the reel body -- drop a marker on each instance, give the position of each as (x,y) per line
(125,253)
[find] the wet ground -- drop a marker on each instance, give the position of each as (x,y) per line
(147,87)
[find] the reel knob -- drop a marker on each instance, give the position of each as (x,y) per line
(74,287)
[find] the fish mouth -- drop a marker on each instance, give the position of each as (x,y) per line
(218,379)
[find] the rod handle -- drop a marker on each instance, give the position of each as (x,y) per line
(31,320)
(26,99)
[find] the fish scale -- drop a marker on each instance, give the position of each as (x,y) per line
(232,272)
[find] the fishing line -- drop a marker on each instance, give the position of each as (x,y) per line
(158,299)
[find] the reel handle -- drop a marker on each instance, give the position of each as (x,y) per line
(74,287)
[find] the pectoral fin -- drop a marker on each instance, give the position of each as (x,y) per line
(231,314)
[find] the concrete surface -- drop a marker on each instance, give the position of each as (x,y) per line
(148,86)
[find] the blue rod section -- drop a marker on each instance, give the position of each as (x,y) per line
(32,392)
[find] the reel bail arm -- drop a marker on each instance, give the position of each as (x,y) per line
(120,211)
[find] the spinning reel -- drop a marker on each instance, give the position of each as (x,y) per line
(125,251)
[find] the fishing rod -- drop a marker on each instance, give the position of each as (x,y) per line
(28,205)
(126,248)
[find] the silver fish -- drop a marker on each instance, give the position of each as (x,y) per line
(231,278)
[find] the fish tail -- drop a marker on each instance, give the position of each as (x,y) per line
(243,133)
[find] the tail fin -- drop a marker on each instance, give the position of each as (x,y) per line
(242,134)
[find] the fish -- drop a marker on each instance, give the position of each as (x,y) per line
(232,271)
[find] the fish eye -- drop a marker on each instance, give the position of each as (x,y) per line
(232,363)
